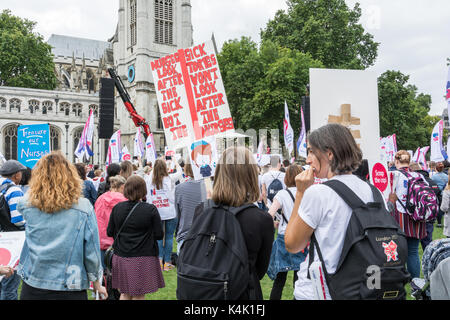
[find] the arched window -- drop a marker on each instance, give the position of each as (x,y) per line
(47,106)
(65,107)
(2,103)
(14,104)
(133,22)
(164,21)
(159,123)
(76,138)
(33,105)
(55,138)
(77,109)
(10,141)
(95,108)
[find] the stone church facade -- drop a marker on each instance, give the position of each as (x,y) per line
(146,30)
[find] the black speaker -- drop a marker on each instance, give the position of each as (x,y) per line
(106,112)
(306,112)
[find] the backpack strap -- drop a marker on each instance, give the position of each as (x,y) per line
(126,219)
(293,200)
(290,193)
(350,198)
(315,245)
(376,194)
(4,188)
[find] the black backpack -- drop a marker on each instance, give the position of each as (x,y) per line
(274,187)
(213,261)
(5,213)
(373,241)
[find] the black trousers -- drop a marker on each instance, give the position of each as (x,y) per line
(31,293)
(278,285)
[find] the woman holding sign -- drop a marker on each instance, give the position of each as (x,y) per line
(61,253)
(161,194)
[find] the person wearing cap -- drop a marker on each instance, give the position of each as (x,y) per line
(11,172)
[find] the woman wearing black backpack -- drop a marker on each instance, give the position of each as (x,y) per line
(322,216)
(230,220)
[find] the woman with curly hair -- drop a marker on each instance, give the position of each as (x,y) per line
(61,253)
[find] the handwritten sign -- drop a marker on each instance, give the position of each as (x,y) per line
(191,95)
(33,142)
(203,155)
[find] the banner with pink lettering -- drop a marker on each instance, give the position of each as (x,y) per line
(191,95)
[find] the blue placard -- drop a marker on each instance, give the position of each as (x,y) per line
(33,142)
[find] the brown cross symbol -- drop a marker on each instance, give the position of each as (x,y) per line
(346,120)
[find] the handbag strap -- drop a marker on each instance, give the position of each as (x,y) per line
(123,224)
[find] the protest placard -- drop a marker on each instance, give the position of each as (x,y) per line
(11,244)
(33,142)
(350,98)
(191,95)
(203,155)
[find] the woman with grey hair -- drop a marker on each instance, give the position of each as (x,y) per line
(332,154)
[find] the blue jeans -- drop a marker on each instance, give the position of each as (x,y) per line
(9,286)
(413,262)
(165,246)
(102,256)
(427,240)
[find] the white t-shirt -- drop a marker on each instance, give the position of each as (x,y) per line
(287,205)
(324,211)
(267,179)
(164,199)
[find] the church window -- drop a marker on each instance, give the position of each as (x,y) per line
(65,107)
(10,141)
(77,109)
(164,21)
(95,108)
(14,104)
(2,104)
(33,105)
(76,138)
(47,106)
(133,22)
(160,123)
(55,138)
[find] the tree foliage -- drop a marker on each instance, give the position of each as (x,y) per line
(327,29)
(25,59)
(259,80)
(404,112)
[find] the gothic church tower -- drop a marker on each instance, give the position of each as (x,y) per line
(147,30)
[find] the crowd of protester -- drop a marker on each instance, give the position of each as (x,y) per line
(72,215)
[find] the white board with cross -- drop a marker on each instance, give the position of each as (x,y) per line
(349,97)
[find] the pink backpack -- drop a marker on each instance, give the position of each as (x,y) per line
(421,201)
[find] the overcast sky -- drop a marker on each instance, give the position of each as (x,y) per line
(414,34)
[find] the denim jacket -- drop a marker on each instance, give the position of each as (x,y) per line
(61,250)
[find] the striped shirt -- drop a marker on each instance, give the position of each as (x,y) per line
(12,197)
(188,195)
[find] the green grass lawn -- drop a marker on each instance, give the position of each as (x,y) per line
(170,278)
